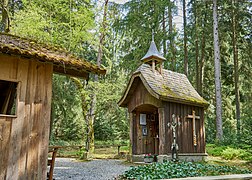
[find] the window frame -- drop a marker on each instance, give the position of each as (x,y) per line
(17,97)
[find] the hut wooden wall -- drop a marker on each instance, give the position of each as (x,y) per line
(24,137)
(185,130)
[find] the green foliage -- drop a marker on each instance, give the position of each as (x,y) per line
(68,121)
(169,170)
(111,122)
(230,152)
(214,150)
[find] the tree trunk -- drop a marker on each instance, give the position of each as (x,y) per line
(196,46)
(84,106)
(5,16)
(185,40)
(164,33)
(202,58)
(236,67)
(172,50)
(217,68)
(102,37)
(93,96)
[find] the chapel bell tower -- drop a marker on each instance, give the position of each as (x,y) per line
(154,58)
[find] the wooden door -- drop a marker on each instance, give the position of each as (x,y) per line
(152,125)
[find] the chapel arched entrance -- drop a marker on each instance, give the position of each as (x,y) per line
(146,130)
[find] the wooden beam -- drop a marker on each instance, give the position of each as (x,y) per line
(71,72)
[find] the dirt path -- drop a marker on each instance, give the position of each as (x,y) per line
(102,169)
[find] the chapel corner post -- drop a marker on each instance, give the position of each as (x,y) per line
(131,124)
(162,133)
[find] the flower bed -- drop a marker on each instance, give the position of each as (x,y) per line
(149,158)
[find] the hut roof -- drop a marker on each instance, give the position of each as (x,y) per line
(171,86)
(63,62)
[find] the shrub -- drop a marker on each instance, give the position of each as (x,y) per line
(232,153)
(215,150)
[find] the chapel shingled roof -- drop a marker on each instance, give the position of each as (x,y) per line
(170,86)
(63,62)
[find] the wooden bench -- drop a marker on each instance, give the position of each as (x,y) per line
(107,146)
(51,162)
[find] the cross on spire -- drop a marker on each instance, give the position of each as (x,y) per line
(153,35)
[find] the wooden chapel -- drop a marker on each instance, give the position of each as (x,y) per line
(164,108)
(26,70)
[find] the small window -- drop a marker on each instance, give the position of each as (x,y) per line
(8,97)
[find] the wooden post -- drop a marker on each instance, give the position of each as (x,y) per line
(161,130)
(131,133)
(161,69)
(193,117)
(118,150)
(153,66)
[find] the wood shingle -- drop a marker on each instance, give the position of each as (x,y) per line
(170,86)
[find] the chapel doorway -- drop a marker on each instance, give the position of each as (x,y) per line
(152,138)
(149,125)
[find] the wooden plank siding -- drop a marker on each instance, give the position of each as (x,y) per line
(142,97)
(5,129)
(184,131)
(24,148)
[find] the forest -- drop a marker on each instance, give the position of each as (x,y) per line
(116,36)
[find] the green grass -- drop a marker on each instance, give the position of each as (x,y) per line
(169,170)
(110,152)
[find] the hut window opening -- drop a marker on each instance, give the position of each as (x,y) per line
(8,97)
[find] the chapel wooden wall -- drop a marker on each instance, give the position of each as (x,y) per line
(185,130)
(140,102)
(24,137)
(142,97)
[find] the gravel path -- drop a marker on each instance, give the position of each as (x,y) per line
(68,168)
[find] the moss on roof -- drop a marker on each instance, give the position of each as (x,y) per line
(62,60)
(170,86)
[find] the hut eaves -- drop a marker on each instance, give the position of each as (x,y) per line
(171,86)
(63,62)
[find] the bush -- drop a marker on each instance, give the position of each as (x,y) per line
(231,153)
(214,150)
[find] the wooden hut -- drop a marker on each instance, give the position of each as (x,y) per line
(166,112)
(26,69)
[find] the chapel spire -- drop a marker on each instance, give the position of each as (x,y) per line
(153,56)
